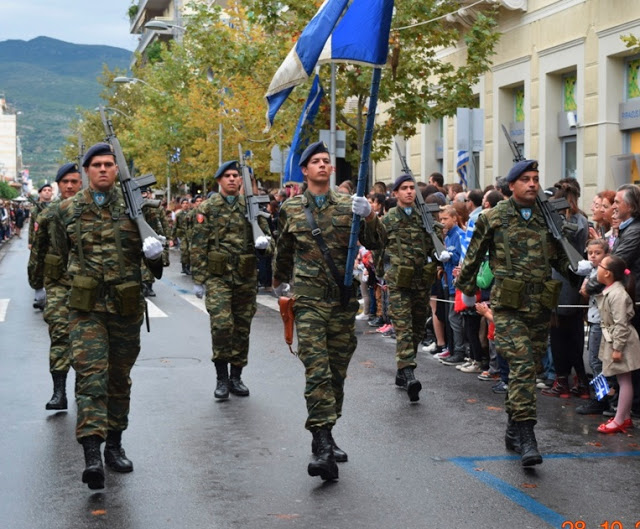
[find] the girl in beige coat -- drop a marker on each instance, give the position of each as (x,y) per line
(620,346)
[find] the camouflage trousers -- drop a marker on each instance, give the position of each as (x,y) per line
(326,342)
(104,347)
(56,314)
(408,309)
(185,251)
(521,339)
(231,306)
(147,276)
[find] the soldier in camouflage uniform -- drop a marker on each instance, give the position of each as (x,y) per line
(409,278)
(191,221)
(45,193)
(325,327)
(156,218)
(180,229)
(105,309)
(47,272)
(521,254)
(223,259)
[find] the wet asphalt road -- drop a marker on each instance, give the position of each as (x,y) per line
(199,463)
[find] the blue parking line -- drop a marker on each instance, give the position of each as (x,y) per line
(468,464)
(175,287)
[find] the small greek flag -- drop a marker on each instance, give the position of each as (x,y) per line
(600,386)
(462,166)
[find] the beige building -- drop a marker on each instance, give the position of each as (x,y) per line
(562,82)
(8,143)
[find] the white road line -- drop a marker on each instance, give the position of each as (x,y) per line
(197,303)
(4,303)
(154,310)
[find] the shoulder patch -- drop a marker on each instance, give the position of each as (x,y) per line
(35,226)
(200,218)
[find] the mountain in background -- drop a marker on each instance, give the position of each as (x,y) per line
(48,80)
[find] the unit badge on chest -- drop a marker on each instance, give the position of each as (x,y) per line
(526,213)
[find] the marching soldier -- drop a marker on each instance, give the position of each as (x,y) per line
(224,265)
(106,308)
(324,318)
(156,218)
(45,194)
(409,278)
(180,230)
(47,272)
(521,254)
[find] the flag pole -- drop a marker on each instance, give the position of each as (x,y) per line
(332,132)
(363,174)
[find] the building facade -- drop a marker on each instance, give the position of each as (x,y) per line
(8,143)
(565,86)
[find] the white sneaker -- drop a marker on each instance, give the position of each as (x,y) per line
(467,363)
(473,368)
(362,316)
(429,348)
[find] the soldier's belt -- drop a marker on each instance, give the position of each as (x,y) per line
(529,288)
(107,289)
(328,293)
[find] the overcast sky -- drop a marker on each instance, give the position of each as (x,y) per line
(77,21)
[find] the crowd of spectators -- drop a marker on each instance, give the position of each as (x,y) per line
(12,218)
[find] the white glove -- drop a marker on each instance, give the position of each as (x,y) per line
(360,206)
(152,248)
(262,242)
(469,301)
(584,268)
(198,290)
(281,290)
(41,295)
(444,256)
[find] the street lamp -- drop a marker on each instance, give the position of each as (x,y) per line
(134,80)
(160,25)
(111,109)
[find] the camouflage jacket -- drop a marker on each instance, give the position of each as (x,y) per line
(38,208)
(180,226)
(49,240)
(406,243)
(532,252)
(221,227)
(297,253)
(107,258)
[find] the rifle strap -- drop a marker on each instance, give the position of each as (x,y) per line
(316,233)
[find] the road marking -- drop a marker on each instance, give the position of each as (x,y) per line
(4,303)
(154,310)
(197,303)
(551,517)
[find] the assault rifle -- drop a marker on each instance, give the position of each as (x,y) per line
(557,224)
(253,201)
(130,186)
(426,210)
(83,173)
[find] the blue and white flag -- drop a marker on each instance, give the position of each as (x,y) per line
(600,386)
(462,166)
(292,172)
(362,35)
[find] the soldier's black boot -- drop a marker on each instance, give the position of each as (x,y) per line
(147,289)
(400,380)
(323,463)
(528,445)
(512,436)
(222,386)
(59,398)
(339,454)
(188,270)
(184,269)
(236,386)
(114,455)
(93,474)
(413,386)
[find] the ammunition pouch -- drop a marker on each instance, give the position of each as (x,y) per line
(126,297)
(404,276)
(84,292)
(511,293)
(429,272)
(53,266)
(247,265)
(550,294)
(217,263)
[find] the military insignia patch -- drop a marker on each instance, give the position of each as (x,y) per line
(200,218)
(35,226)
(99,198)
(526,213)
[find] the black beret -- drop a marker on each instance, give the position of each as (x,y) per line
(314,148)
(43,186)
(401,180)
(66,169)
(232,164)
(519,168)
(99,149)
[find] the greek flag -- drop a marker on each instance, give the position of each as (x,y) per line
(462,166)
(292,172)
(361,35)
(600,386)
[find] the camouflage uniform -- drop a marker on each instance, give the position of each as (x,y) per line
(231,290)
(325,329)
(38,208)
(407,244)
(50,244)
(181,229)
(156,218)
(528,255)
(104,245)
